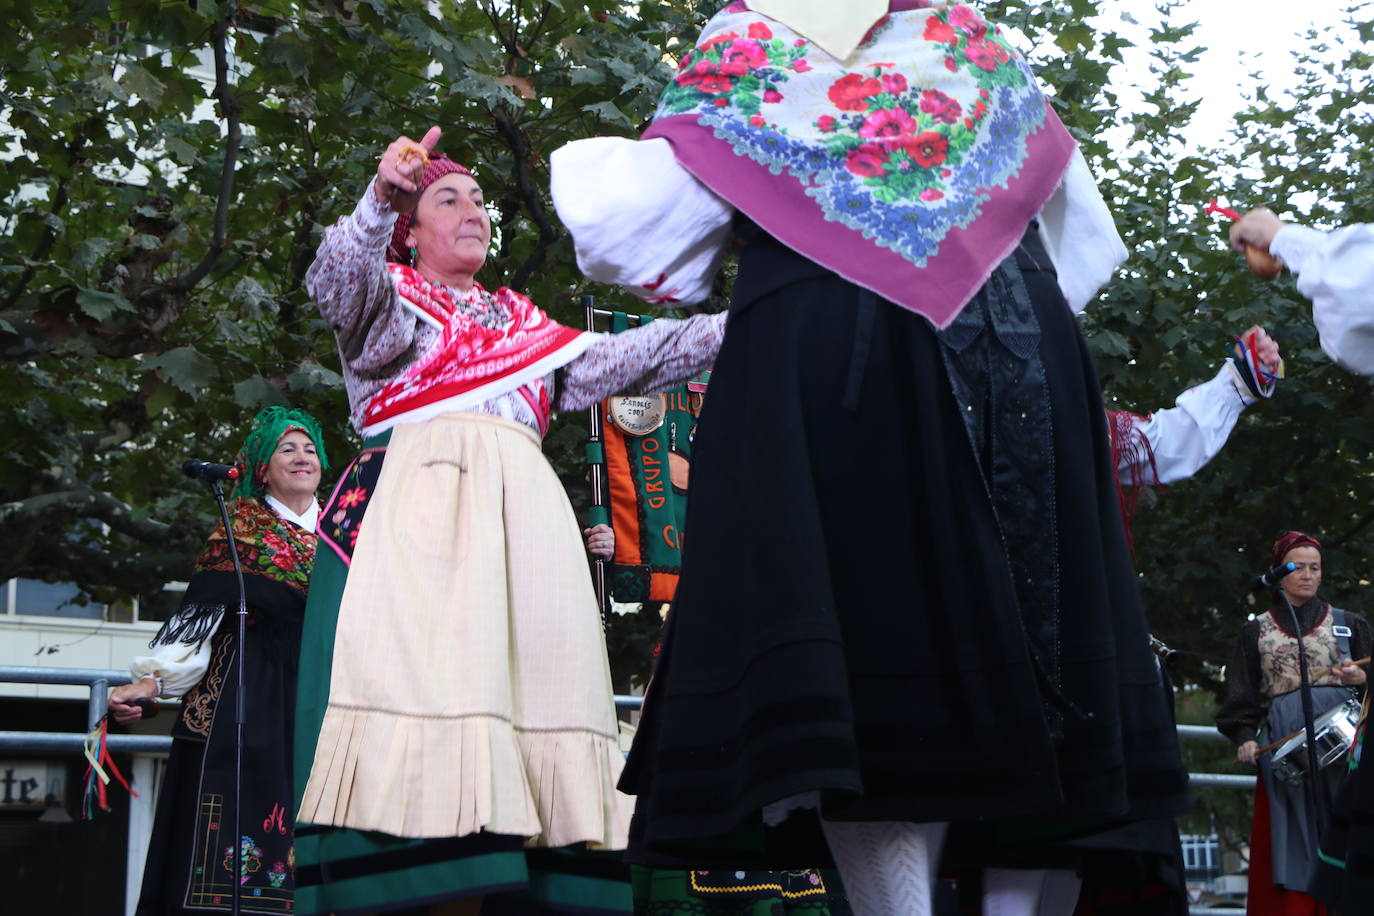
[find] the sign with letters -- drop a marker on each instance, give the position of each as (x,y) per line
(25,784)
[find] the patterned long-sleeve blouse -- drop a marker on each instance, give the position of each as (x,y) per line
(1242,712)
(379,339)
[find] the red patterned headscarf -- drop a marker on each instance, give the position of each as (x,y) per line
(439,166)
(1290,541)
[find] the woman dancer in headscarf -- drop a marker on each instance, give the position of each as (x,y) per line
(455,700)
(190,857)
(908,601)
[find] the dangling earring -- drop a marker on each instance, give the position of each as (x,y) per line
(414,255)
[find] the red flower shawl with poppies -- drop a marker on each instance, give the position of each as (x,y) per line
(267,546)
(276,555)
(470,364)
(912,168)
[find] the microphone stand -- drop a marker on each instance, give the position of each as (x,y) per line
(1321,803)
(239,696)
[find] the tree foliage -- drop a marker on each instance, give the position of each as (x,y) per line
(170,167)
(170,170)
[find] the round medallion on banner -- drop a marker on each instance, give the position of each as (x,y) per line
(638,416)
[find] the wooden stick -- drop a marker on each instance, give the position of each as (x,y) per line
(1270,747)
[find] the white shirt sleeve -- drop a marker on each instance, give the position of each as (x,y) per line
(1186,436)
(180,666)
(1080,235)
(639,219)
(1336,271)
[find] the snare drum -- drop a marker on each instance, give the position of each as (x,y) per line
(1335,733)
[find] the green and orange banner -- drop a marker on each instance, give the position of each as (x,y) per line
(647,444)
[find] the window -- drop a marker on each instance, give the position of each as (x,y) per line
(64,600)
(53,599)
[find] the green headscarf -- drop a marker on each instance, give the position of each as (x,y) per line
(268,427)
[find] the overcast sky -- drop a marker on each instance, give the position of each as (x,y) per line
(1241,37)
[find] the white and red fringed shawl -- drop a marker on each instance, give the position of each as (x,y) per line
(470,364)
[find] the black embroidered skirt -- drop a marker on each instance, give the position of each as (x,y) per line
(190,861)
(907,583)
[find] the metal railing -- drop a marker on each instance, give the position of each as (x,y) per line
(100,680)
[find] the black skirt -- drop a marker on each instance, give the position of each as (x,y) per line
(190,861)
(907,583)
(1344,876)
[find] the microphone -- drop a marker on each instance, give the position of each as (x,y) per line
(204,470)
(1272,577)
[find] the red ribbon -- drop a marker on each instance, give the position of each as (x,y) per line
(1224,211)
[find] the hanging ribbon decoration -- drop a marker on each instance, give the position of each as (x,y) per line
(96,748)
(1262,264)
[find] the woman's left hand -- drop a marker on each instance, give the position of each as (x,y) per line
(600,541)
(1349,673)
(1266,348)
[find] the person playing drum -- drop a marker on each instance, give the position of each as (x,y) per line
(1265,664)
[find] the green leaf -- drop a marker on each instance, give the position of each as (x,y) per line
(257,392)
(163,396)
(609,112)
(100,305)
(142,84)
(250,292)
(287,50)
(231,330)
(312,377)
(587,76)
(183,152)
(185,368)
(91,251)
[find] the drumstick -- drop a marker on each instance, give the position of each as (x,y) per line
(1270,747)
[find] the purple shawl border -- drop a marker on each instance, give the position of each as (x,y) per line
(939,291)
(893,6)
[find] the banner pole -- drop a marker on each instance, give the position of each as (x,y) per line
(599,515)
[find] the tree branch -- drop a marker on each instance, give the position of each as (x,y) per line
(302,252)
(131,573)
(59,203)
(86,503)
(519,145)
(231,109)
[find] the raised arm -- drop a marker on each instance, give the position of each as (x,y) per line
(643,360)
(1183,438)
(1178,441)
(349,280)
(349,283)
(1336,271)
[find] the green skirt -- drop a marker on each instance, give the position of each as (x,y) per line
(343,871)
(723,892)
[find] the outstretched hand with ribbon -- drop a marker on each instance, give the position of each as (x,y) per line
(1252,234)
